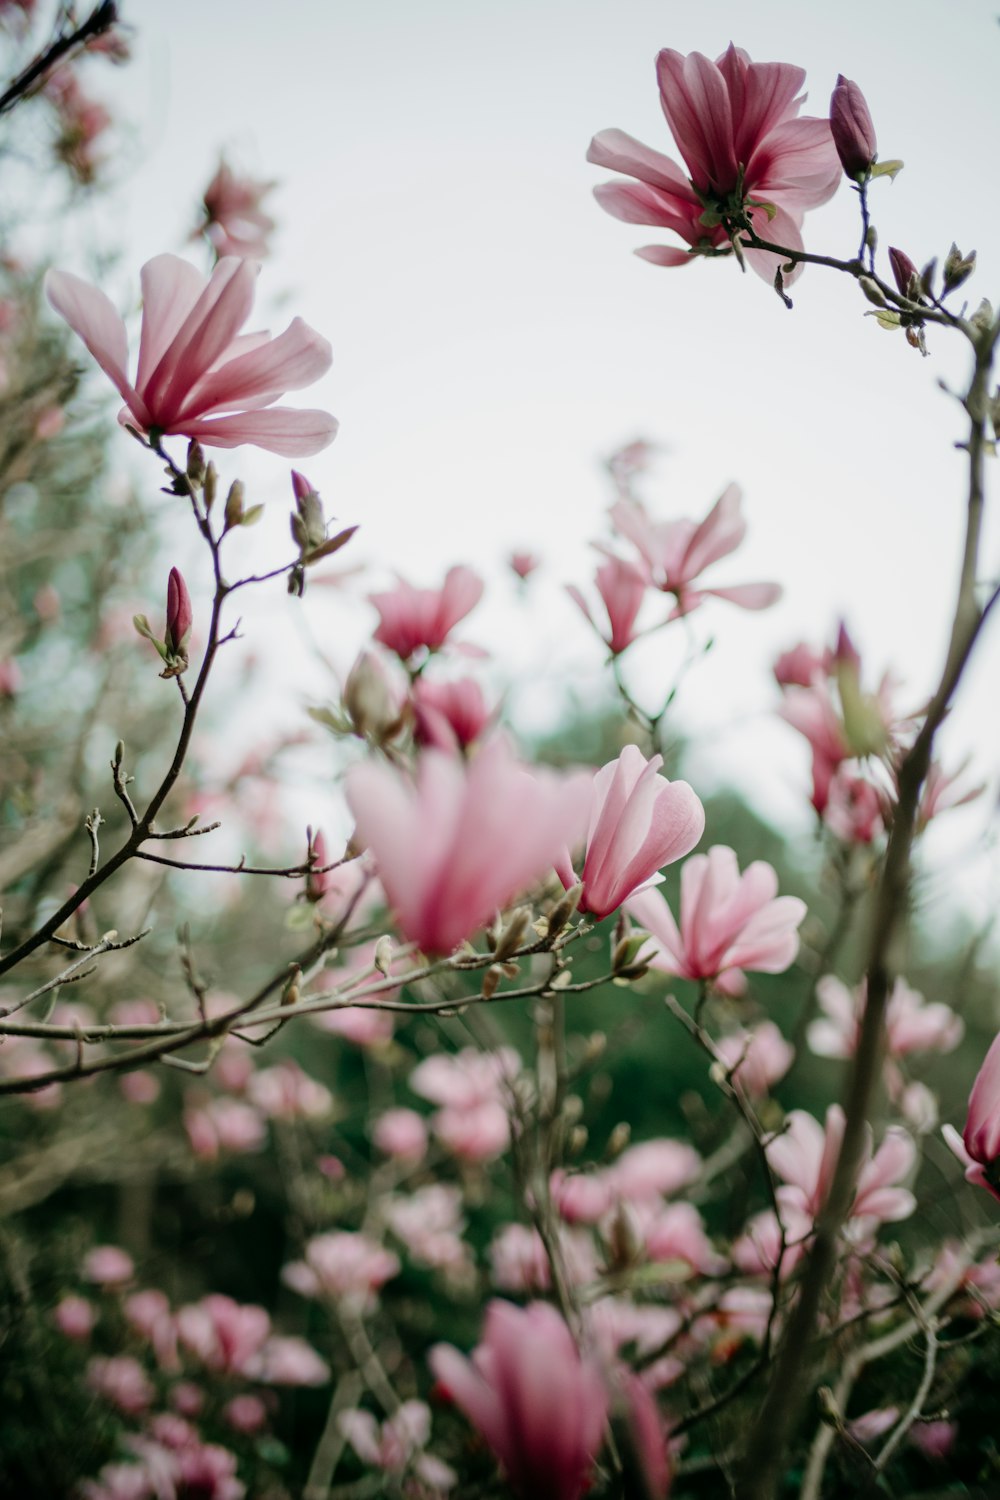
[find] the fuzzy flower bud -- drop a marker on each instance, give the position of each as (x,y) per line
(904,271)
(852,129)
(179,615)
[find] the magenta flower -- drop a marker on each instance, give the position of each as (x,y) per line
(729,922)
(461,841)
(413,618)
(674,553)
(539,1405)
(197,375)
(852,129)
(639,821)
(622,587)
(903,270)
(978,1148)
(180,616)
(748,158)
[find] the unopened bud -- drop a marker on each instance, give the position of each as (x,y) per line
(301,486)
(491,980)
(872,291)
(618,1140)
(233,515)
(372,706)
(577,1140)
(564,908)
(317,881)
(623,1240)
(626,952)
(195,462)
(852,129)
(595,1047)
(179,621)
(957,267)
(906,275)
(209,485)
(383,955)
(510,939)
(292,993)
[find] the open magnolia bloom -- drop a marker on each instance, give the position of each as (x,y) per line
(197,375)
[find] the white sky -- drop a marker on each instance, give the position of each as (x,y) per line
(494,337)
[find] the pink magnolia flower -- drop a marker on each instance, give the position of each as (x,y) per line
(226,1336)
(523,564)
(246,1414)
(396,1445)
(342,1264)
(978,1148)
(108,1265)
(518,1260)
(912,1024)
(757,1058)
(581,1197)
(676,1232)
(653,1169)
(122,1381)
(622,587)
(222,1125)
(197,375)
(674,553)
(75,1317)
(934,1439)
(449,715)
(805,1157)
(852,129)
(472,1091)
(401,1133)
(639,821)
(855,808)
(538,1404)
(288,1360)
(413,619)
(942,791)
(285,1092)
(748,158)
(464,839)
(729,922)
(798,666)
(429,1223)
(903,269)
(234,220)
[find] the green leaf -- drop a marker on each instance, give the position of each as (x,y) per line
(329,547)
(887,169)
(885,318)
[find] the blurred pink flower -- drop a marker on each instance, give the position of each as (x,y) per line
(108,1265)
(224,1125)
(466,838)
(197,375)
(246,1414)
(342,1264)
(413,619)
(234,220)
(285,1092)
(539,1405)
(978,1148)
(429,1223)
(581,1197)
(75,1317)
(653,1169)
(226,1336)
(289,1360)
(676,1232)
(674,553)
(639,821)
(449,715)
(401,1133)
(855,809)
(622,587)
(121,1380)
(729,922)
(798,666)
(912,1023)
(942,791)
(518,1260)
(746,153)
(758,1057)
(523,564)
(934,1439)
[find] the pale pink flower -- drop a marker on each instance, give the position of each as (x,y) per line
(855,809)
(757,1058)
(873,1424)
(978,1149)
(75,1318)
(942,791)
(139,1087)
(805,1156)
(415,619)
(108,1265)
(674,553)
(580,1197)
(478,1134)
(234,220)
(198,376)
(676,1232)
(639,821)
(362,1028)
(401,1133)
(246,1414)
(222,1125)
(396,1445)
(653,1169)
(622,587)
(647,1433)
(121,1380)
(912,1024)
(226,1336)
(812,711)
(729,922)
(524,564)
(852,129)
(449,715)
(735,125)
(518,1260)
(148,1312)
(758,1249)
(288,1360)
(472,1088)
(429,1223)
(798,666)
(464,839)
(934,1439)
(285,1092)
(538,1404)
(342,1264)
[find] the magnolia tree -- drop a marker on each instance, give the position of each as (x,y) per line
(476,1286)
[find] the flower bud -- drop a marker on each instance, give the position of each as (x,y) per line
(195,462)
(210,485)
(179,615)
(906,274)
(317,881)
(852,129)
(372,705)
(957,268)
(234,505)
(301,486)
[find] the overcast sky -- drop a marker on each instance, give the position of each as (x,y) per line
(494,337)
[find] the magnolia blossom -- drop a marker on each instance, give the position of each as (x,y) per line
(674,553)
(401,1133)
(748,158)
(729,922)
(538,1404)
(653,1169)
(108,1265)
(224,1335)
(342,1265)
(413,619)
(235,222)
(756,1059)
(978,1148)
(639,821)
(449,715)
(852,129)
(197,375)
(472,1089)
(461,841)
(396,1444)
(911,1023)
(805,1157)
(622,586)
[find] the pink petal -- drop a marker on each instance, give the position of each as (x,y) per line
(170,288)
(93,318)
(279,429)
(294,359)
